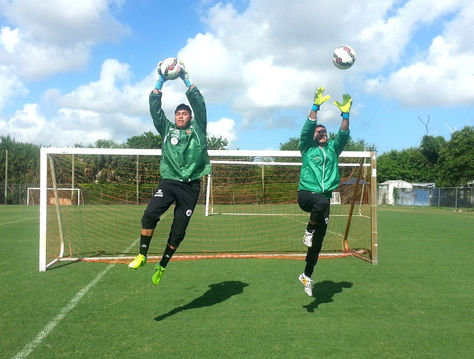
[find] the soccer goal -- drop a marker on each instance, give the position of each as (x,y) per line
(247,206)
(65,196)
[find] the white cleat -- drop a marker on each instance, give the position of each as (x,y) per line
(308,238)
(307,283)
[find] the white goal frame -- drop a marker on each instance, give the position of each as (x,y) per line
(45,152)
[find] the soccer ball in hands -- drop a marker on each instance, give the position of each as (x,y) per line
(343,57)
(170,68)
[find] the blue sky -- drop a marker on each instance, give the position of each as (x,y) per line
(76,72)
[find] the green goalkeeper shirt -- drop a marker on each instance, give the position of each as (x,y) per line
(184,150)
(319,169)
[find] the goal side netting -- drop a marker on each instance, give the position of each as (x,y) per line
(247,206)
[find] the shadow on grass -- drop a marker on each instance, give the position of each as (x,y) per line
(324,292)
(217,294)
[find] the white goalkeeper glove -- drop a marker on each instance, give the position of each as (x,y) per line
(160,79)
(184,75)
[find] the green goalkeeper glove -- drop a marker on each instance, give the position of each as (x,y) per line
(319,99)
(345,106)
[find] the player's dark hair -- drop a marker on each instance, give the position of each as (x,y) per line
(183,106)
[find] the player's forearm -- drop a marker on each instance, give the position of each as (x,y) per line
(345,124)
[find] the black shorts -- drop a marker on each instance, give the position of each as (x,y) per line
(184,194)
(315,203)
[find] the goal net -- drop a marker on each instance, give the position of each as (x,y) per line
(247,206)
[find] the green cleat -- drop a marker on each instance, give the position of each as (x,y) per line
(139,261)
(156,277)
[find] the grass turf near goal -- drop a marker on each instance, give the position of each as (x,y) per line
(247,207)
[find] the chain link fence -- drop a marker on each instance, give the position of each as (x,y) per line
(451,197)
(15,193)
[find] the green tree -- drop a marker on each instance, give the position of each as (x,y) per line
(456,159)
(359,145)
(147,140)
(290,145)
(431,146)
(408,165)
(107,144)
(23,161)
(217,143)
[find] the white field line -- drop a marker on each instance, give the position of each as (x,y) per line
(62,314)
(19,220)
(27,349)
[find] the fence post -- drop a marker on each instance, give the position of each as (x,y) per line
(456,199)
(6,175)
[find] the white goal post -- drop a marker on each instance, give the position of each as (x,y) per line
(247,206)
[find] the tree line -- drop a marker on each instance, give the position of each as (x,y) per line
(445,163)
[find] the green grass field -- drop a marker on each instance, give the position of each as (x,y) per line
(417,303)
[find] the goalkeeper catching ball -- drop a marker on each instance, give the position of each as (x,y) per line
(319,176)
(184,161)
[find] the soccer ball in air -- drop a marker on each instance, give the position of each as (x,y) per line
(170,68)
(343,57)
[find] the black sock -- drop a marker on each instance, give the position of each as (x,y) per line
(308,270)
(167,254)
(310,227)
(144,244)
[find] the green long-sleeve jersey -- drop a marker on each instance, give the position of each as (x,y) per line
(319,170)
(184,150)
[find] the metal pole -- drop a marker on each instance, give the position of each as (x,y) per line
(138,185)
(456,200)
(72,178)
(6,175)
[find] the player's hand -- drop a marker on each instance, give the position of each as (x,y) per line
(319,99)
(345,106)
(160,79)
(184,74)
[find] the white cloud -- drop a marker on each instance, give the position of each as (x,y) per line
(49,37)
(11,86)
(9,38)
(25,124)
(262,61)
(443,76)
(62,22)
(225,128)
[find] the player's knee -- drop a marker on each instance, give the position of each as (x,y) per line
(176,237)
(149,222)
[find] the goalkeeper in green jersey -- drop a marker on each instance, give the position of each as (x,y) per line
(184,161)
(319,176)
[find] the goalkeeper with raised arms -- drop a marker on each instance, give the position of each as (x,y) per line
(184,161)
(319,176)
